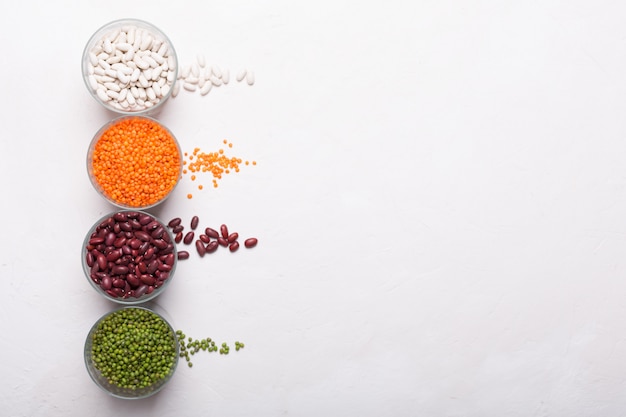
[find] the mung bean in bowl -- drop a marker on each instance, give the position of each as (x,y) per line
(129,257)
(131,352)
(134,162)
(130,66)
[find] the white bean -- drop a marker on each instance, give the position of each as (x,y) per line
(102,94)
(93,83)
(215,81)
(150,93)
(205,89)
(226,76)
(135,75)
(241,75)
(201,61)
(157,89)
(216,71)
(112,87)
(189,87)
(175,89)
(250,77)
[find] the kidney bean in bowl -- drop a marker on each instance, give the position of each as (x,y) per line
(129,256)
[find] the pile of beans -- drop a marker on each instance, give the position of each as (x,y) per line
(135,162)
(203,78)
(134,348)
(130,254)
(191,346)
(209,241)
(131,69)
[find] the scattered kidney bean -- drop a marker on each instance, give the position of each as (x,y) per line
(233,246)
(178,228)
(204,238)
(224,230)
(188,238)
(129,254)
(232,237)
(194,222)
(183,254)
(179,237)
(200,248)
(251,242)
(211,233)
(222,241)
(212,246)
(175,222)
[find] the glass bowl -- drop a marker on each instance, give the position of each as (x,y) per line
(128,336)
(129,257)
(130,66)
(134,162)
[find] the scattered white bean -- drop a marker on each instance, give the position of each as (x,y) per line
(226,76)
(205,89)
(241,75)
(175,89)
(201,61)
(189,87)
(250,77)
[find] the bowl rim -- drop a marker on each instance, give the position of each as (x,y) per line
(96,137)
(91,369)
(128,301)
(97,35)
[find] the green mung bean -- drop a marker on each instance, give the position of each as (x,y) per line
(134,348)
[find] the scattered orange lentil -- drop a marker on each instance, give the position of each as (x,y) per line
(189,196)
(215,163)
(136,162)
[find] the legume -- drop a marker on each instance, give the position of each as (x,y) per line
(137,262)
(133,348)
(217,164)
(135,162)
(131,69)
(190,346)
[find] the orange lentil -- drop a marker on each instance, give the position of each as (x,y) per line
(200,187)
(217,164)
(189,196)
(136,162)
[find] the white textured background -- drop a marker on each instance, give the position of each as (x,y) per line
(440,200)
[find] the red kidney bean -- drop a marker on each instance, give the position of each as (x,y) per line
(102,261)
(119,242)
(179,237)
(169,259)
(132,280)
(211,233)
(141,290)
(200,248)
(119,270)
(96,240)
(224,231)
(212,246)
(204,238)
(233,246)
(232,237)
(178,229)
(164,268)
(174,222)
(158,232)
(194,222)
(129,254)
(143,236)
(251,242)
(147,279)
(183,254)
(152,267)
(222,241)
(90,259)
(152,225)
(145,219)
(118,283)
(188,238)
(110,238)
(106,283)
(160,243)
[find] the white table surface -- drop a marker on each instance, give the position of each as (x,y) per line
(440,202)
